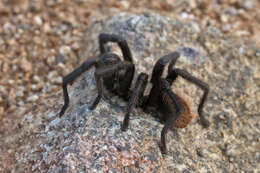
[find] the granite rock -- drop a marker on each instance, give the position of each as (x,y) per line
(91,141)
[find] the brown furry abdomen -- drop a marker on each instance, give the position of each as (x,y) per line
(185,118)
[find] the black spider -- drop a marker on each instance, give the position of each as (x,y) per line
(117,76)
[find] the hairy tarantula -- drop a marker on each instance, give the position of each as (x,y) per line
(117,76)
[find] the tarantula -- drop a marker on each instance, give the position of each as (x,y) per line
(117,76)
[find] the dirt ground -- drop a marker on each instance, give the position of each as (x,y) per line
(41,40)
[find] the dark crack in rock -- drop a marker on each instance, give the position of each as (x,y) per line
(92,141)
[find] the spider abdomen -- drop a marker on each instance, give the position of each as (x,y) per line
(184,118)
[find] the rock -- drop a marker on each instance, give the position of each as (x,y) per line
(90,141)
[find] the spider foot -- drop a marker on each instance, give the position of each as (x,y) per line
(95,103)
(63,110)
(61,113)
(204,122)
(163,149)
(93,106)
(124,125)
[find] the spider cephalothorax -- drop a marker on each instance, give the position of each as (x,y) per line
(117,76)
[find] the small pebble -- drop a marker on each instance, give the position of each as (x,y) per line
(38,20)
(32,98)
(64,50)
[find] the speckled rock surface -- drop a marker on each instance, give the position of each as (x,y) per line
(91,141)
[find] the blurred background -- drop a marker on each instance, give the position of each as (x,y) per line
(41,40)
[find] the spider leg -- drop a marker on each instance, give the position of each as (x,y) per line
(156,74)
(204,86)
(70,78)
(126,82)
(161,63)
(135,98)
(166,91)
(104,38)
(107,71)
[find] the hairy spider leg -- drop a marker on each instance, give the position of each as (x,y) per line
(70,78)
(107,71)
(204,86)
(168,98)
(135,98)
(161,63)
(156,74)
(122,43)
